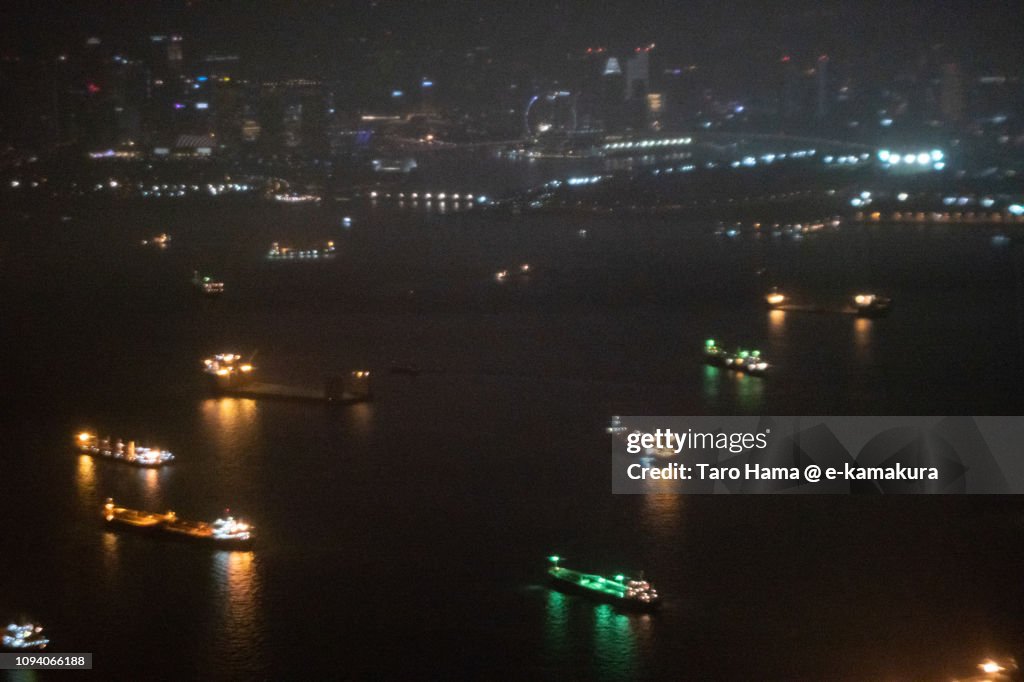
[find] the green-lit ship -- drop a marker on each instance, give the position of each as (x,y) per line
(746,361)
(621,590)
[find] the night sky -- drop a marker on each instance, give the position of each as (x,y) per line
(322,38)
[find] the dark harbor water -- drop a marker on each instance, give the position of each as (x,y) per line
(407,537)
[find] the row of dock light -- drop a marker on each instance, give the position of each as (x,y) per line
(752,161)
(973,217)
(429,196)
(920,160)
(647,144)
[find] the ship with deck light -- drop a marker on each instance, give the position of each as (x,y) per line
(621,590)
(278,252)
(207,285)
(871,305)
(119,451)
(227,531)
(746,361)
(861,305)
(228,370)
(24,637)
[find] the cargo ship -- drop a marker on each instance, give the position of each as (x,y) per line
(226,532)
(207,285)
(278,252)
(620,590)
(26,637)
(119,451)
(228,370)
(160,241)
(861,305)
(746,361)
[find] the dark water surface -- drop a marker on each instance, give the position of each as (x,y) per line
(407,537)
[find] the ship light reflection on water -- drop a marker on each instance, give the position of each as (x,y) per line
(239,600)
(614,640)
(231,423)
(711,385)
(151,482)
(556,624)
(85,480)
(662,512)
(749,393)
(614,633)
(862,336)
(111,555)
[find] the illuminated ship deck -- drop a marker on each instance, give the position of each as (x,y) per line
(861,305)
(748,362)
(226,532)
(619,589)
(24,637)
(287,253)
(119,451)
(232,377)
(206,285)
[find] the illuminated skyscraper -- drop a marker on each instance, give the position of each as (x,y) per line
(638,73)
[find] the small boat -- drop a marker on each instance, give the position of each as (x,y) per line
(621,590)
(161,241)
(775,299)
(21,637)
(871,305)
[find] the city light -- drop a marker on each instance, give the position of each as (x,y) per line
(549,237)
